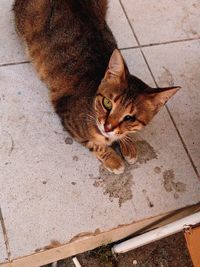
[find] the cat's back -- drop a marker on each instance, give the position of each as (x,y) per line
(48,15)
(68,40)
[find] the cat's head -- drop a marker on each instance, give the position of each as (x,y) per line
(123,103)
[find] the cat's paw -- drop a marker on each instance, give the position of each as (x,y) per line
(114,165)
(131,160)
(128,150)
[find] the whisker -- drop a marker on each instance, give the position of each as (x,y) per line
(87,116)
(127,139)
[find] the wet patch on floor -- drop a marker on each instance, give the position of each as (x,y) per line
(7,144)
(116,185)
(145,152)
(166,77)
(157,170)
(69,141)
(120,185)
(170,185)
(75,158)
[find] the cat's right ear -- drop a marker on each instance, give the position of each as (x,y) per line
(155,98)
(116,67)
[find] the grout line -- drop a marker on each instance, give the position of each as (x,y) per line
(161,43)
(183,142)
(152,75)
(13,64)
(5,235)
(139,46)
(130,47)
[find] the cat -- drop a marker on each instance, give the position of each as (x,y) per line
(76,55)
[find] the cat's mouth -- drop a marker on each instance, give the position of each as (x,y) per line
(110,135)
(101,129)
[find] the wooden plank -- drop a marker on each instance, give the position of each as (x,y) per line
(81,244)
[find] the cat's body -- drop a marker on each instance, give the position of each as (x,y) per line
(69,43)
(91,89)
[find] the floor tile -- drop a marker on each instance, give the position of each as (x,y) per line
(178,64)
(165,20)
(49,191)
(3,254)
(119,25)
(137,65)
(171,158)
(10,48)
(55,191)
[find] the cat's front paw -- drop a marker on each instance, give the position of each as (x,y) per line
(131,160)
(128,150)
(109,158)
(114,164)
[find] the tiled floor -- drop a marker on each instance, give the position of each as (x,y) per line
(11,50)
(179,64)
(163,21)
(3,253)
(45,194)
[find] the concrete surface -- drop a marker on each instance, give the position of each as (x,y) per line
(3,254)
(10,47)
(164,20)
(51,187)
(181,59)
(117,21)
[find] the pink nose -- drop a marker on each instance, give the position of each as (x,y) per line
(107,127)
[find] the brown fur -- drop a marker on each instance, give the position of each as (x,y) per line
(75,54)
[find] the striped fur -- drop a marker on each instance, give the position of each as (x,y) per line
(76,55)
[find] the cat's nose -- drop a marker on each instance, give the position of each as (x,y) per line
(107,127)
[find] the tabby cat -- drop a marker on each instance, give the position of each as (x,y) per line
(76,55)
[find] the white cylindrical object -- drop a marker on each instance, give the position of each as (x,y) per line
(76,262)
(157,234)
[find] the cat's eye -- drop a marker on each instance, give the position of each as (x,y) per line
(107,103)
(129,118)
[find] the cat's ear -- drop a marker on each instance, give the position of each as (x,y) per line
(116,66)
(157,97)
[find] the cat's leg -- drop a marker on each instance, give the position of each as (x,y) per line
(128,149)
(108,156)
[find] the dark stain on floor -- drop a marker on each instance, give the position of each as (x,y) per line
(149,202)
(170,185)
(157,170)
(116,185)
(166,77)
(75,158)
(120,185)
(69,141)
(145,152)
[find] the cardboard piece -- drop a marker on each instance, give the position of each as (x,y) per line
(192,236)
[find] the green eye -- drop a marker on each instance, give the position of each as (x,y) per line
(107,103)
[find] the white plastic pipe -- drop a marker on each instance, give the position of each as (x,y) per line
(157,234)
(76,262)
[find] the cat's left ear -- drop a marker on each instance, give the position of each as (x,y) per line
(116,67)
(157,97)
